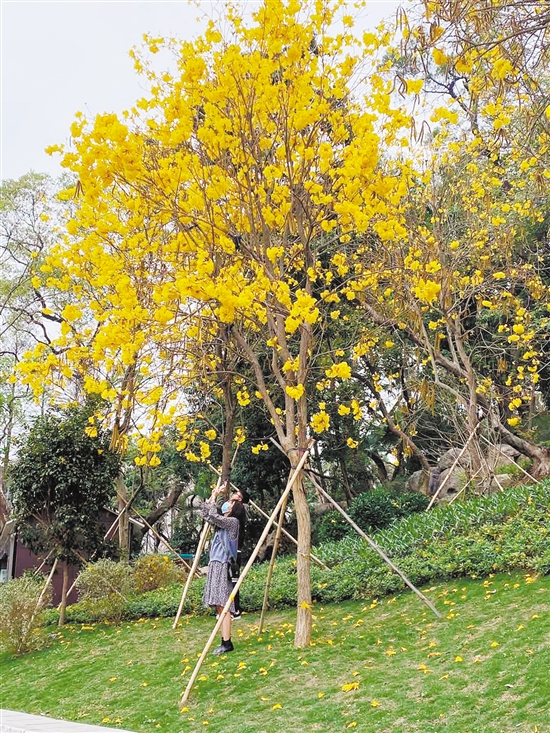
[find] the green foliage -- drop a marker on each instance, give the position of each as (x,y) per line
(104,587)
(332,527)
(21,618)
(186,531)
(511,469)
(497,533)
(379,508)
(155,571)
(60,483)
(370,511)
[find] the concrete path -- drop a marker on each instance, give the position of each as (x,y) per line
(12,722)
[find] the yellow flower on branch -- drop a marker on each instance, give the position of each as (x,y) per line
(341,370)
(295,392)
(320,422)
(427,290)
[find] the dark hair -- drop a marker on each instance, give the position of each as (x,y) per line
(246,496)
(239,512)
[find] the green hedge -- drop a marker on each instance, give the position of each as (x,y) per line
(372,510)
(498,533)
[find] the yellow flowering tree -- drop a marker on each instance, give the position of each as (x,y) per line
(215,206)
(467,286)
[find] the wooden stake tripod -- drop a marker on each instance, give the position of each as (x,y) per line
(361,534)
(241,578)
(375,547)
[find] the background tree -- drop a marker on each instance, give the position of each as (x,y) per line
(29,214)
(60,484)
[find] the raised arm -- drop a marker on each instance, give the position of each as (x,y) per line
(210,514)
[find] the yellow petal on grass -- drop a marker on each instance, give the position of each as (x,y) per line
(350,686)
(374,703)
(458,658)
(320,695)
(277,706)
(353,724)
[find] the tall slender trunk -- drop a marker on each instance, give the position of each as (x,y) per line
(228,431)
(345,479)
(319,464)
(123,524)
(63,606)
(302,636)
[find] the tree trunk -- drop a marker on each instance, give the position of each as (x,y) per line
(380,466)
(302,636)
(63,606)
(169,502)
(539,455)
(228,432)
(345,479)
(123,524)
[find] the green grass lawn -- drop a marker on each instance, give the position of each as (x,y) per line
(483,668)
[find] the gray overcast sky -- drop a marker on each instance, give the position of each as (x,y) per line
(61,56)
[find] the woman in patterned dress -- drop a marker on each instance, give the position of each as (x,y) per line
(223,550)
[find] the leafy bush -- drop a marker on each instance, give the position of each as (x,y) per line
(104,587)
(370,511)
(155,571)
(21,618)
(514,469)
(379,508)
(332,527)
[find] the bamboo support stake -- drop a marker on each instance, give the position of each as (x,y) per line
(41,596)
(200,547)
(275,524)
(376,548)
(243,575)
(126,507)
(457,459)
(465,486)
(272,564)
(46,584)
(515,464)
(44,561)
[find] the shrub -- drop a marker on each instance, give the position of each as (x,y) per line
(155,571)
(379,508)
(21,618)
(332,527)
(104,586)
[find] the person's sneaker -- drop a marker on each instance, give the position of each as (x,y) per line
(224,647)
(236,615)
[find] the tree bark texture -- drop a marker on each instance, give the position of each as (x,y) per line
(302,636)
(63,606)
